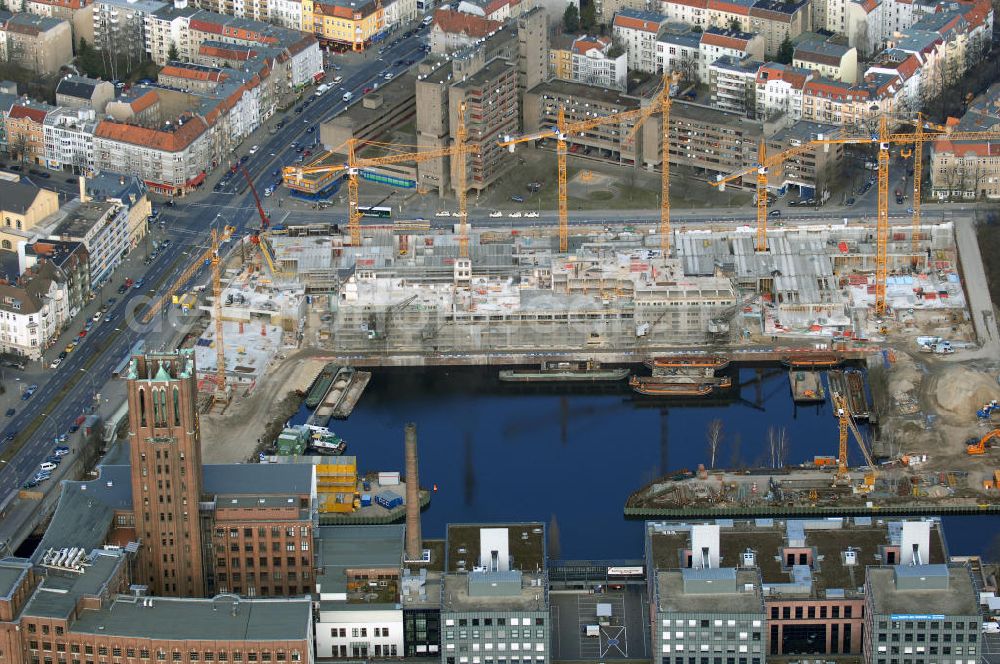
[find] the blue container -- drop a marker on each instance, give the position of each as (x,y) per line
(389,499)
(366,485)
(366,500)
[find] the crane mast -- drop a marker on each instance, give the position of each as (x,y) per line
(463,211)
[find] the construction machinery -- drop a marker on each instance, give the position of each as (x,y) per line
(974,448)
(562,130)
(765,163)
(259,235)
(211,257)
(292,175)
(884,139)
(846,422)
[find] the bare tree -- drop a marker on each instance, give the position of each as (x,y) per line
(713,439)
(554,545)
(777,442)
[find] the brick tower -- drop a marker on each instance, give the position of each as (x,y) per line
(164,441)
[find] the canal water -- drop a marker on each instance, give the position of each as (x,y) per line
(499,451)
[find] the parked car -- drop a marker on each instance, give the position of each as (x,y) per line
(70,347)
(61,450)
(30,484)
(774,213)
(517,199)
(47,465)
(52,458)
(138,284)
(10,412)
(55,363)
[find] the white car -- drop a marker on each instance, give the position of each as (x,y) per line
(514,215)
(337,80)
(496,213)
(47,466)
(456,214)
(531,214)
(388,76)
(55,363)
(254,149)
(442,213)
(98,316)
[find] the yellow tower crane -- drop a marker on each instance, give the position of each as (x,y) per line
(846,422)
(293,177)
(212,257)
(884,140)
(765,163)
(561,132)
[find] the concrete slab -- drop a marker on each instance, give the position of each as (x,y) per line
(626,638)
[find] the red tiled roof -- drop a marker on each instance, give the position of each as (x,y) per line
(35,114)
(583,44)
(192,74)
(454,22)
(700,4)
(166,141)
(496,5)
(632,23)
(794,78)
(140,104)
(241,53)
(69,4)
(222,27)
(831,89)
(965,149)
(729,7)
(724,41)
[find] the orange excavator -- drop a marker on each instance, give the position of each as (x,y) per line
(974,448)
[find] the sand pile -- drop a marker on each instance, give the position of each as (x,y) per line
(961,391)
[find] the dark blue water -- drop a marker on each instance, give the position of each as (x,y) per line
(527,452)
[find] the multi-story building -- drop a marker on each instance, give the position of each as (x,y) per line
(678,51)
(75,91)
(969,169)
(25,125)
(38,43)
(596,61)
(130,193)
(492,111)
(71,262)
(344,24)
(22,207)
(494,600)
(27,321)
(732,83)
(102,227)
(171,160)
(922,612)
(636,31)
(433,122)
(85,606)
(812,172)
(119,27)
(777,20)
(79,14)
(607,9)
(812,573)
(495,10)
(69,139)
(716,43)
(453,30)
(828,58)
(360,615)
(378,114)
(780,90)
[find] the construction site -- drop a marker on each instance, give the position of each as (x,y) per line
(889,296)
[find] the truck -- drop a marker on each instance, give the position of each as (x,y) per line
(592,631)
(321,89)
(348,96)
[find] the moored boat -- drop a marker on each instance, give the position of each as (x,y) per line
(320,386)
(691,361)
(564,372)
(655,387)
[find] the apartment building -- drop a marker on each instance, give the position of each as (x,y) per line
(433,122)
(811,173)
(492,111)
(360,615)
(495,10)
(102,227)
(24,124)
(27,321)
(128,192)
(828,58)
(374,117)
(969,169)
(596,61)
(780,90)
(69,139)
(344,24)
(78,13)
(708,141)
(119,26)
(678,51)
(732,83)
(38,43)
(453,30)
(922,612)
(607,9)
(612,143)
(636,32)
(716,43)
(75,91)
(495,598)
(776,19)
(68,260)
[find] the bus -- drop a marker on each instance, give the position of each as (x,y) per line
(375,211)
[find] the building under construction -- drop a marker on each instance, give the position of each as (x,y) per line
(614,292)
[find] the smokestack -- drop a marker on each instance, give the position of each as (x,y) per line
(83,190)
(414,542)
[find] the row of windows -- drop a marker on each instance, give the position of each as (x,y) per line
(175,655)
(500,634)
(262,532)
(475,622)
(810,612)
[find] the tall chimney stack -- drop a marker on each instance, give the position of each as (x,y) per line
(83,190)
(414,542)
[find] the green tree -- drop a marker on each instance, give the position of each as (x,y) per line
(785,51)
(571,19)
(173,53)
(588,14)
(735,25)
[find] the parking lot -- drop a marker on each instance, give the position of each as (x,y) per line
(991,649)
(625,637)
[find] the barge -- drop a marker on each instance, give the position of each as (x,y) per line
(564,372)
(851,384)
(811,360)
(807,386)
(355,388)
(321,385)
(689,362)
(655,386)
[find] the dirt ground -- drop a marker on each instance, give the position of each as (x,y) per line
(233,436)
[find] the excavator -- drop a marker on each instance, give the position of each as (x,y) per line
(974,448)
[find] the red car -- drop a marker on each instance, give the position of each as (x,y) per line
(83,333)
(307,153)
(367,90)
